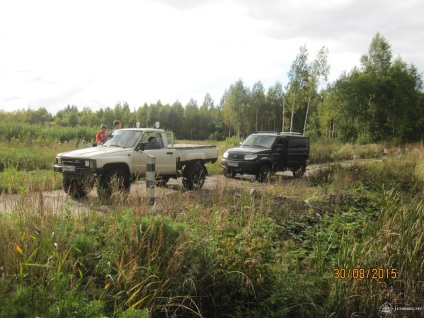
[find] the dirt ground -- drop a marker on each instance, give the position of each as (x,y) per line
(57,200)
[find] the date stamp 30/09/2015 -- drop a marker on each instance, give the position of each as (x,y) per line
(365,273)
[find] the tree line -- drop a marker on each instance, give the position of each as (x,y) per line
(380,100)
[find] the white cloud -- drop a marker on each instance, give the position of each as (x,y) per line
(97,53)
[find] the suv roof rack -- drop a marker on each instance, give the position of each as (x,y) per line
(265,132)
(289,133)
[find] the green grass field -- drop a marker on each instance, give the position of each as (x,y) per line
(340,244)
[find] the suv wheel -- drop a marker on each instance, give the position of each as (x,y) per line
(194,176)
(229,173)
(264,174)
(113,182)
(299,172)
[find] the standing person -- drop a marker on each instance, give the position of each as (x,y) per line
(117,125)
(101,136)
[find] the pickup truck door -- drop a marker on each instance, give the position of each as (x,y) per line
(165,157)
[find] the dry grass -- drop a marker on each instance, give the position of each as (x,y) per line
(218,250)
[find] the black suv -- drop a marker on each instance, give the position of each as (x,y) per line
(265,153)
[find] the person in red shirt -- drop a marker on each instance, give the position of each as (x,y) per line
(101,136)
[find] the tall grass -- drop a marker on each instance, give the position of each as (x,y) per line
(220,252)
(322,152)
(16,132)
(392,248)
(195,263)
(15,181)
(30,165)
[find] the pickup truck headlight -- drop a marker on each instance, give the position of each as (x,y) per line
(250,157)
(59,160)
(225,155)
(90,163)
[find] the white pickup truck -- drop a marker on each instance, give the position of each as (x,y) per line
(123,159)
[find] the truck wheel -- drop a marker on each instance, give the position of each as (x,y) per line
(264,174)
(76,189)
(194,176)
(111,182)
(161,181)
(299,172)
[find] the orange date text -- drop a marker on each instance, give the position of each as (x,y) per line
(365,273)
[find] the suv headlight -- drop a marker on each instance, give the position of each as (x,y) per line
(59,160)
(90,163)
(250,157)
(225,155)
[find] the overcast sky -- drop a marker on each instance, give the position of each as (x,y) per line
(97,53)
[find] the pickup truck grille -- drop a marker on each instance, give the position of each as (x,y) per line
(73,162)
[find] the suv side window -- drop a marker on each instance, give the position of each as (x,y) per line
(296,143)
(280,143)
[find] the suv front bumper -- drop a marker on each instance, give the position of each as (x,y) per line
(249,167)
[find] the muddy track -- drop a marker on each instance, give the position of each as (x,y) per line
(57,200)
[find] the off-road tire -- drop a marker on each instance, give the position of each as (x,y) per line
(264,174)
(161,181)
(194,176)
(299,172)
(230,174)
(76,189)
(113,183)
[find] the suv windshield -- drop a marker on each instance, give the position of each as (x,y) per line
(263,141)
(123,138)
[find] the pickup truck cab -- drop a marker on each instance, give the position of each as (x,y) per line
(265,153)
(123,159)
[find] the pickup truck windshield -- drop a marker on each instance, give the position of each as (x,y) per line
(123,138)
(262,141)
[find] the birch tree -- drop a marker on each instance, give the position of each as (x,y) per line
(275,100)
(258,104)
(318,71)
(236,106)
(298,79)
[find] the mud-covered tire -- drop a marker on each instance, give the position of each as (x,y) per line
(299,172)
(229,174)
(264,174)
(76,189)
(194,176)
(113,182)
(161,181)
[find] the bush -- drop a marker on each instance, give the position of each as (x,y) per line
(324,152)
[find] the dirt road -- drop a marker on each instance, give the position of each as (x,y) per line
(51,201)
(57,200)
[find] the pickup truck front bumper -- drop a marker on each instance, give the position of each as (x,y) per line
(77,173)
(57,168)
